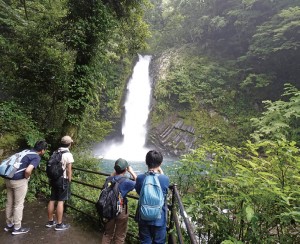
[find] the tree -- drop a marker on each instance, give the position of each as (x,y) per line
(274,47)
(57,58)
(89,27)
(281,119)
(35,65)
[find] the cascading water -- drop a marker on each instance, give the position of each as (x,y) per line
(136,114)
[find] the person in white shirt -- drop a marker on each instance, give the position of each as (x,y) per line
(60,189)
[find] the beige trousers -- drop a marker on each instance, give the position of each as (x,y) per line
(116,229)
(16,193)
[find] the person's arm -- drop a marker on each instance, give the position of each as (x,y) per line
(28,171)
(138,185)
(131,172)
(69,171)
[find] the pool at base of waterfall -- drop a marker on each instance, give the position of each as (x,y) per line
(169,166)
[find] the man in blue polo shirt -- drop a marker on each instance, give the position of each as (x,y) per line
(153,231)
(117,228)
(17,189)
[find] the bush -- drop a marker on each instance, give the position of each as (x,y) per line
(249,194)
(16,127)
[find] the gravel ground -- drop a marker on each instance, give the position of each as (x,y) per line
(35,217)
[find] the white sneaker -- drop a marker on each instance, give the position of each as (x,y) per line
(20,231)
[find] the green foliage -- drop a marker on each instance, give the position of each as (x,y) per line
(16,126)
(281,118)
(193,80)
(93,128)
(273,48)
(90,26)
(55,56)
(259,36)
(62,64)
(204,93)
(242,193)
(112,91)
(250,193)
(35,64)
(278,34)
(256,80)
(225,57)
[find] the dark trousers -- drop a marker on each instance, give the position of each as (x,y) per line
(150,234)
(116,229)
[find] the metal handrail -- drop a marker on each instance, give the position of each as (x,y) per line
(189,228)
(173,220)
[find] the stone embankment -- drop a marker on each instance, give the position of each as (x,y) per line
(173,138)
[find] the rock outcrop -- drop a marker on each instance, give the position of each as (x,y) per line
(173,137)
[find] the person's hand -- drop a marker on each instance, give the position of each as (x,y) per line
(129,169)
(159,170)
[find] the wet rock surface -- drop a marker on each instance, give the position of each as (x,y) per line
(173,137)
(35,217)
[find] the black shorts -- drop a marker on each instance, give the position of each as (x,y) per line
(60,190)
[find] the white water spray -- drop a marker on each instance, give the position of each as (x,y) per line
(136,114)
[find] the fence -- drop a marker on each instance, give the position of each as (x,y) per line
(178,220)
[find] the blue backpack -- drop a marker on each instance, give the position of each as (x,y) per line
(151,198)
(10,166)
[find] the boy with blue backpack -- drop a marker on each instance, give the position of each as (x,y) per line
(152,208)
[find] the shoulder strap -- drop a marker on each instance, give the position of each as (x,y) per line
(120,180)
(62,152)
(150,172)
(26,152)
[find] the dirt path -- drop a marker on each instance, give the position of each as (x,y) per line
(35,217)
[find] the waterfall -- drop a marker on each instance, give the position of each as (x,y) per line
(136,114)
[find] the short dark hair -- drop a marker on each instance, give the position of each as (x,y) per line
(40,145)
(64,145)
(154,159)
(118,171)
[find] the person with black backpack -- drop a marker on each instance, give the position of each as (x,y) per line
(59,172)
(116,227)
(151,213)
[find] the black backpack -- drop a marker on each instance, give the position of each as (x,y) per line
(109,204)
(54,168)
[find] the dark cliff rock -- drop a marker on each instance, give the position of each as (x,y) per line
(172,137)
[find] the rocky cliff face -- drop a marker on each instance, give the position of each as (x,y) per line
(171,135)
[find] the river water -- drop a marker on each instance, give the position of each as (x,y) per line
(169,166)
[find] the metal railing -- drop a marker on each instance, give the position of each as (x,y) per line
(178,219)
(176,201)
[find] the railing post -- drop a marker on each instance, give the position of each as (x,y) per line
(171,222)
(188,225)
